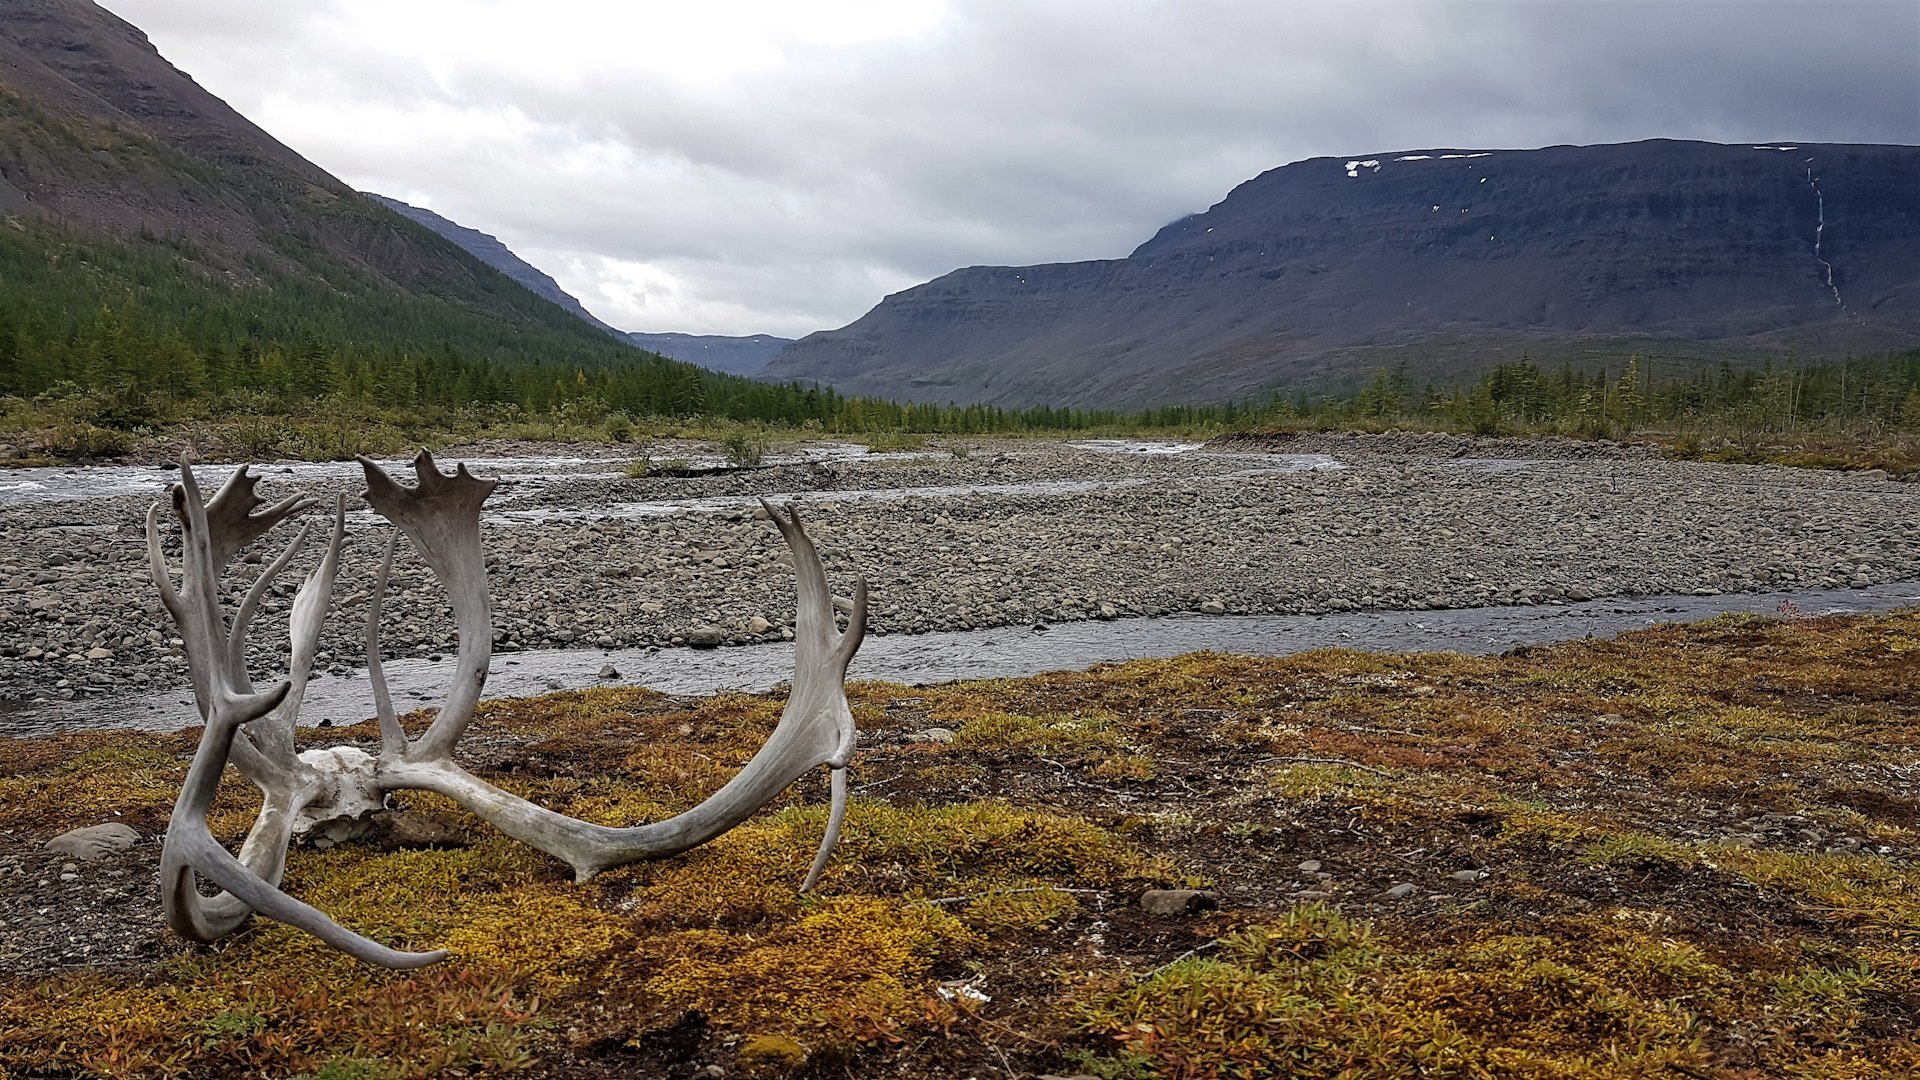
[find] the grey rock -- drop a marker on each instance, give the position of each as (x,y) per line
(706,637)
(94,841)
(1468,876)
(933,735)
(1170,902)
(1400,891)
(1311,866)
(608,671)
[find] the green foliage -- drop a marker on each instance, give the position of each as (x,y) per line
(746,447)
(1522,398)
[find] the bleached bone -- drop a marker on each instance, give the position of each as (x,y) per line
(253,729)
(440,515)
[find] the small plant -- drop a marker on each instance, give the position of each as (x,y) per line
(639,468)
(960,451)
(746,447)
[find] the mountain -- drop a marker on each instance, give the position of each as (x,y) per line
(735,355)
(730,355)
(488,249)
(152,237)
(1320,272)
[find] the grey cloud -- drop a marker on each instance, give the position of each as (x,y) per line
(1011,132)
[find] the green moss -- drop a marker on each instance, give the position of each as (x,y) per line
(1632,925)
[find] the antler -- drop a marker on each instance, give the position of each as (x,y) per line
(440,515)
(210,534)
(441,518)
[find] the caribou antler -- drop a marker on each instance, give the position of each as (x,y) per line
(440,515)
(216,658)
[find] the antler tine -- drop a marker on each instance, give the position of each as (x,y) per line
(243,618)
(813,626)
(304,625)
(836,817)
(393,738)
(441,515)
(231,515)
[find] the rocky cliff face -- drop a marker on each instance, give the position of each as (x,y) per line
(1319,272)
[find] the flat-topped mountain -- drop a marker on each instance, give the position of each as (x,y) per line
(1322,271)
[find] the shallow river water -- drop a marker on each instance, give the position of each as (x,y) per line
(996,653)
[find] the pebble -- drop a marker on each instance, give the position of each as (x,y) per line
(608,671)
(1399,892)
(1311,866)
(1468,875)
(1412,522)
(932,735)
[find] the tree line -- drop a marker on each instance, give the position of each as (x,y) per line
(145,331)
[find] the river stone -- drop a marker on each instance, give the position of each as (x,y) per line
(706,637)
(1213,607)
(608,671)
(1400,891)
(758,625)
(1169,902)
(94,841)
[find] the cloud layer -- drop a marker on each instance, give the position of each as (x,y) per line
(777,167)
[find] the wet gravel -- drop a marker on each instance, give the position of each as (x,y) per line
(1013,533)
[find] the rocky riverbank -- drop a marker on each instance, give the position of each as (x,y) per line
(990,533)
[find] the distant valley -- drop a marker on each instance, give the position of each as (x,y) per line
(746,355)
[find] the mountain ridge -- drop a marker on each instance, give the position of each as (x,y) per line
(744,354)
(1317,272)
(491,250)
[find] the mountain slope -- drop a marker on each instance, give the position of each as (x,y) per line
(488,249)
(715,352)
(1321,271)
(736,355)
(127,189)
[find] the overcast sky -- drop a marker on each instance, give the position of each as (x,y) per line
(738,168)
